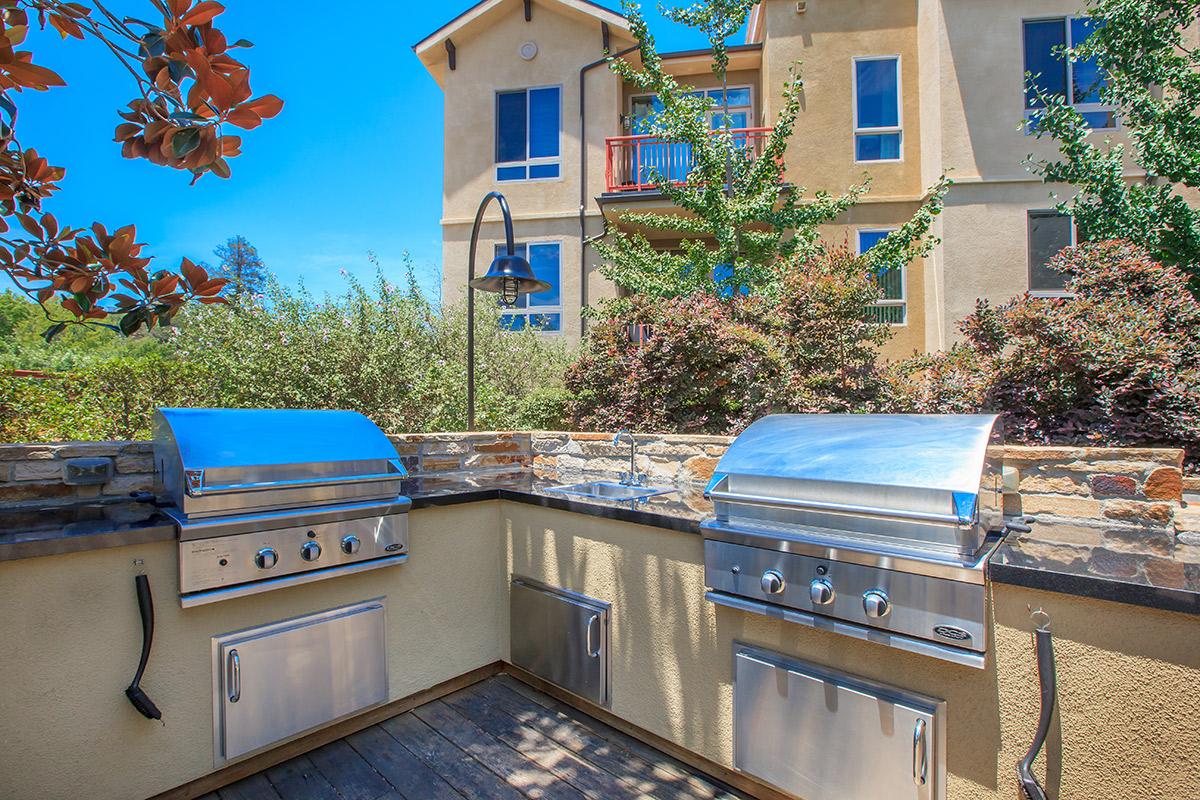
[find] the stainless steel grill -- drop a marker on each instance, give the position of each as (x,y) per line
(270,498)
(876,526)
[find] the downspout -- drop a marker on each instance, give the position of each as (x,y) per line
(583,154)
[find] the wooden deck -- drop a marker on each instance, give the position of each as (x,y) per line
(496,740)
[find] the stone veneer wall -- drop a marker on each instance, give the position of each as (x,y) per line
(1101,496)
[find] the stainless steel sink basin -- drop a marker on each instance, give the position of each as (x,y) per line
(610,490)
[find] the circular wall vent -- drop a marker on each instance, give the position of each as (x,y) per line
(528,51)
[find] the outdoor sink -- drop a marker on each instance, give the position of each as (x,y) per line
(611,490)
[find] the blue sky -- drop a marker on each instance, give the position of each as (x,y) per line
(353,164)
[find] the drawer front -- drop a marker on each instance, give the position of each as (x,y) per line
(822,735)
(282,679)
(562,637)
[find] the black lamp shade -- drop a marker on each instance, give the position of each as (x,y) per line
(510,276)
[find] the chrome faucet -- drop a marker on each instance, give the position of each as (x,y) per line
(633,477)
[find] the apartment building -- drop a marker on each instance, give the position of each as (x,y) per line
(902,90)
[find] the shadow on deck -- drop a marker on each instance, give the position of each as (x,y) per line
(498,739)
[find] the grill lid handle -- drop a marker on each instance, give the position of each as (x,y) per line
(194,481)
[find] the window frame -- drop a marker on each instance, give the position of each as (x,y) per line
(902,301)
(751,116)
(856,131)
(527,162)
(528,310)
(1029,213)
(1082,108)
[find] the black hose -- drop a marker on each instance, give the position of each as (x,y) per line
(140,700)
(1046,678)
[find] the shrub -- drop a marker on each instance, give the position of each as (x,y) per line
(701,370)
(1116,364)
(714,365)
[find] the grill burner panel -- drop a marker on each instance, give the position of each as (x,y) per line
(271,498)
(878,526)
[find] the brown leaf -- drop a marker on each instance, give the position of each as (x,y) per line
(266,106)
(244,118)
(202,13)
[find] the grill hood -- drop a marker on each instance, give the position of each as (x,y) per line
(234,461)
(917,483)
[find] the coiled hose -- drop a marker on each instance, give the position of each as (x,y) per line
(1031,789)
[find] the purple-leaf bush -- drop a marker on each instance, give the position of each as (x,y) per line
(1116,363)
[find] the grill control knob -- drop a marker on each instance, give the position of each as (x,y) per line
(311,551)
(350,545)
(772,582)
(266,558)
(876,603)
(821,592)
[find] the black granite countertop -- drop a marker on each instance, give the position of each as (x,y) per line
(679,510)
(54,530)
(1124,564)
(1144,571)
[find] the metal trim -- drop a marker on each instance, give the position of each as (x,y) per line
(954,655)
(837,508)
(211,527)
(859,552)
(246,589)
(198,489)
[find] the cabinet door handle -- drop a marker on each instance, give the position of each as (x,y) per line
(920,756)
(235,676)
(594,652)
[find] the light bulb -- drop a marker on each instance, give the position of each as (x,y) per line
(509,291)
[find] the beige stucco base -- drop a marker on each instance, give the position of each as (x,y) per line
(1130,715)
(70,638)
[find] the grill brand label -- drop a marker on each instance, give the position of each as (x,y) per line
(391,548)
(952,633)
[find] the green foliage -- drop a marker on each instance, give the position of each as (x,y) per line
(1154,84)
(1117,364)
(108,400)
(713,365)
(384,351)
(239,263)
(735,216)
(22,346)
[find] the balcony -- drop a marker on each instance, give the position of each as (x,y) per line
(631,162)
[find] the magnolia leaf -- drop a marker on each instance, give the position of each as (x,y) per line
(53,330)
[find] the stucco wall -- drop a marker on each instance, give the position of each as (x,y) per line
(1129,716)
(71,638)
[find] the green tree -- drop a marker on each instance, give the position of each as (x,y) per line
(240,264)
(1147,52)
(735,215)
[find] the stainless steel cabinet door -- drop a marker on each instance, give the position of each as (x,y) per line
(830,736)
(561,636)
(278,680)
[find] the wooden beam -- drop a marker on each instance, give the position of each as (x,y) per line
(605,36)
(732,777)
(452,53)
(243,769)
(528,10)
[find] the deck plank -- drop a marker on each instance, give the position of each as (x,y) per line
(412,778)
(299,779)
(514,767)
(585,776)
(349,774)
(464,773)
(660,766)
(255,787)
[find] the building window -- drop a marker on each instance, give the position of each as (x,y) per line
(892,307)
(877,124)
(1054,74)
(528,134)
(1049,232)
(541,311)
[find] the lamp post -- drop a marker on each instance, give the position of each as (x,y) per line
(510,276)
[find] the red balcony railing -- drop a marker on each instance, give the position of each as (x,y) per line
(632,161)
